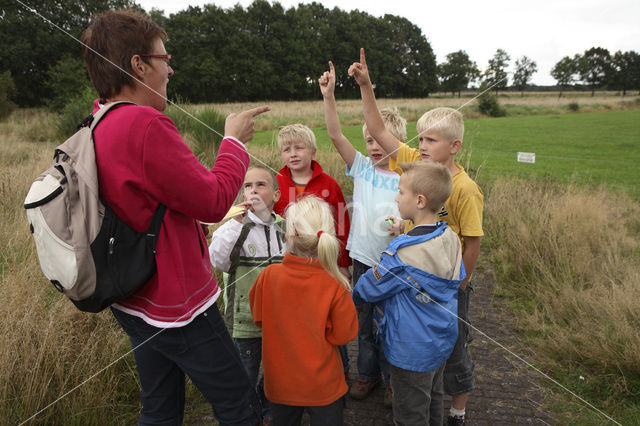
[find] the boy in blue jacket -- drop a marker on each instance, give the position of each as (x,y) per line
(415,286)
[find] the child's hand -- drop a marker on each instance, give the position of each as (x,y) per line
(328,81)
(396,227)
(246,205)
(359,71)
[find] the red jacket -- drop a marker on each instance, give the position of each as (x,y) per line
(143,161)
(324,186)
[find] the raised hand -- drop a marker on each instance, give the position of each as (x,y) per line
(359,70)
(241,125)
(328,81)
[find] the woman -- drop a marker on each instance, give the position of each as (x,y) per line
(173,322)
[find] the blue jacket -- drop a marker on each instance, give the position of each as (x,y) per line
(416,311)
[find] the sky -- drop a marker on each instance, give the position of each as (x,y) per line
(543,30)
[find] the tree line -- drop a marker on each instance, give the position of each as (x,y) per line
(267,52)
(596,68)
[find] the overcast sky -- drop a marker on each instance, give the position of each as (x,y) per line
(543,30)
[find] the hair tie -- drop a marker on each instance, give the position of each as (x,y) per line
(320,233)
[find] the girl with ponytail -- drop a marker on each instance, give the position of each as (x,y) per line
(305,310)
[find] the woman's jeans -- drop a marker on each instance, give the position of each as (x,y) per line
(205,352)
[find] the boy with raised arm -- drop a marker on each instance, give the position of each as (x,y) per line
(440,134)
(374,190)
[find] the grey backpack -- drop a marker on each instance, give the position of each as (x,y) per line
(84,249)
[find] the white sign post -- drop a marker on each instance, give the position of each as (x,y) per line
(527,157)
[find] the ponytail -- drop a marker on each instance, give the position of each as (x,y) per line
(311,233)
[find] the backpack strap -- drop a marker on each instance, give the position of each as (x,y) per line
(92,120)
(156,224)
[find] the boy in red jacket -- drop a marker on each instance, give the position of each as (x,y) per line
(302,175)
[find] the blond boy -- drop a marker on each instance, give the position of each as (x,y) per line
(302,175)
(415,286)
(440,133)
(374,190)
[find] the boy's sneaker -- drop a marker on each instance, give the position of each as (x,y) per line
(456,421)
(388,397)
(361,389)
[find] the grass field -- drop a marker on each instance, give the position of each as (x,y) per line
(567,257)
(601,148)
(533,103)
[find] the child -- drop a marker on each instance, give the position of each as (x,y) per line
(305,310)
(416,295)
(243,247)
(302,175)
(374,189)
(440,133)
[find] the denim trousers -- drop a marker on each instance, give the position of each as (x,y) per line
(250,350)
(371,359)
(204,351)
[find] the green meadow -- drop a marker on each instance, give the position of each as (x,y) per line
(600,148)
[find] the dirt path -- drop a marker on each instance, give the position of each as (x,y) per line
(507,392)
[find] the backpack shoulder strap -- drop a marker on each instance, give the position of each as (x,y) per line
(99,115)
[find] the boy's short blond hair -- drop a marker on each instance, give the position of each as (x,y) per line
(446,121)
(431,179)
(296,133)
(394,123)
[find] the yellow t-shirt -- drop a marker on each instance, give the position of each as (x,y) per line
(463,209)
(404,155)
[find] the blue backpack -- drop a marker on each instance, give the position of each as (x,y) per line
(416,312)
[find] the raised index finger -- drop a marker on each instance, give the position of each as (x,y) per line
(258,110)
(363,61)
(331,68)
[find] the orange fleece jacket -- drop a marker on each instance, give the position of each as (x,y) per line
(304,313)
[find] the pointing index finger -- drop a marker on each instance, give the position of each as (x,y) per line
(258,110)
(363,61)
(331,68)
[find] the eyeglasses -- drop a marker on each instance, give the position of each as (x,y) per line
(166,58)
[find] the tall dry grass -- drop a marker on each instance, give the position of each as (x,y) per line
(48,347)
(571,257)
(312,114)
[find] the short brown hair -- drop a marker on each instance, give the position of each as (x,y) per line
(431,179)
(274,179)
(117,35)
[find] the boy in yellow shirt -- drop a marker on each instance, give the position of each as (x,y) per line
(440,134)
